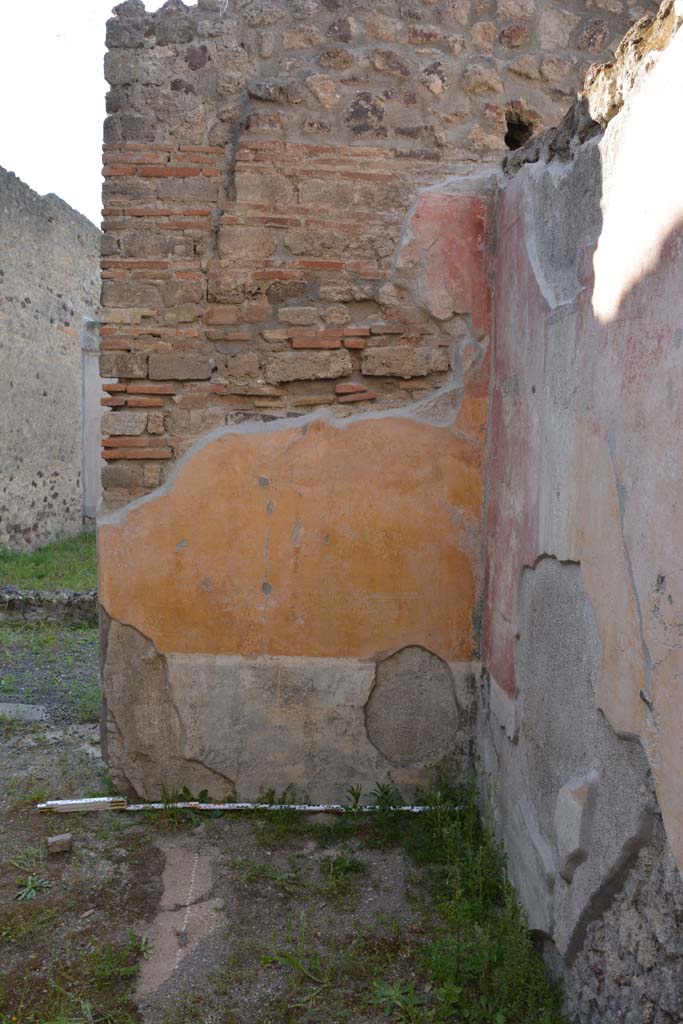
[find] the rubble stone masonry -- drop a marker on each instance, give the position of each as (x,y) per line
(49,287)
(260,160)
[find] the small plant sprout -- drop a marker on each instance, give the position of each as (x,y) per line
(28,860)
(31,887)
(338,871)
(354,795)
(399,1000)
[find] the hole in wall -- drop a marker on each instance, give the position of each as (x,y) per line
(518,129)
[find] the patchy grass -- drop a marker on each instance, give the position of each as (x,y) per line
(358,919)
(90,986)
(11,727)
(70,564)
(18,928)
(54,665)
(67,954)
(474,961)
(341,873)
(289,881)
(463,956)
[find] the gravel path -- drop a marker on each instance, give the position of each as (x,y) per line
(56,666)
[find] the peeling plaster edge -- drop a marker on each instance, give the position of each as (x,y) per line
(528,174)
(504,709)
(485,183)
(417,413)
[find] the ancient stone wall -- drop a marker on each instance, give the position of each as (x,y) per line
(297,325)
(314,578)
(260,160)
(305,223)
(580,723)
(49,287)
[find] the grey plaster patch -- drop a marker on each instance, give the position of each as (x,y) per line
(228,723)
(563,216)
(275,721)
(412,714)
(563,739)
(557,663)
(564,736)
(143,733)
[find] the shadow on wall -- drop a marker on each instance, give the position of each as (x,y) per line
(584,641)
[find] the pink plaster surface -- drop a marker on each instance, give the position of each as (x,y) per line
(447,259)
(448,244)
(620,484)
(514,444)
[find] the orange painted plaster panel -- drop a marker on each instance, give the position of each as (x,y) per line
(315,540)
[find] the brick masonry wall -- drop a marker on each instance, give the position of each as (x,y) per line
(49,283)
(260,160)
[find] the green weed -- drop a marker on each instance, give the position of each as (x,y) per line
(291,882)
(479,965)
(18,927)
(26,796)
(275,827)
(340,872)
(8,684)
(311,974)
(176,817)
(399,1001)
(110,964)
(31,887)
(29,859)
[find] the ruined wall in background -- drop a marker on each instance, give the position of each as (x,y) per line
(580,731)
(49,286)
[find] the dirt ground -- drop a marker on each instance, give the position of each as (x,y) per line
(161,918)
(54,666)
(266,918)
